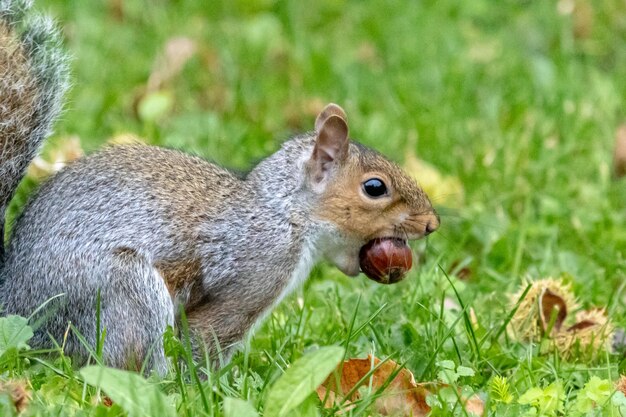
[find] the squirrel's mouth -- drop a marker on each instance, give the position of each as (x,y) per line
(386,259)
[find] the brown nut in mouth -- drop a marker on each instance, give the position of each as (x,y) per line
(385,260)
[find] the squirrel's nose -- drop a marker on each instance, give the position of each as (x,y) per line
(432,224)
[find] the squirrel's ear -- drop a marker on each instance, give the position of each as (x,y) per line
(331,146)
(330,110)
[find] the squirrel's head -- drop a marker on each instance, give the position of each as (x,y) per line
(362,195)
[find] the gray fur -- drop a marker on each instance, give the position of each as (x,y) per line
(102,223)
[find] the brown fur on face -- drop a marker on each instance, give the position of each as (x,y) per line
(405,212)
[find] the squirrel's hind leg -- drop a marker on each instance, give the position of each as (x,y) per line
(217,327)
(135,309)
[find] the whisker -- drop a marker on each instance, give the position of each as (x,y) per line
(421,213)
(459,219)
(406,235)
(439,197)
(457,215)
(403,230)
(414,221)
(444,236)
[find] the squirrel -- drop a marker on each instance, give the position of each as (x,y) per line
(144,232)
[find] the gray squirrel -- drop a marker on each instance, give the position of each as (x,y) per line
(148,231)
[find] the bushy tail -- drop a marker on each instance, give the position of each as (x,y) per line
(33,79)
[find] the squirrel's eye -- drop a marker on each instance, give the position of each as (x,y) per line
(375,187)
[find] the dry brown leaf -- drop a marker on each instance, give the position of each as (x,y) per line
(67,149)
(461,270)
(621,384)
(582,14)
(550,301)
(583,19)
(18,391)
(619,155)
(116,9)
(125,139)
(368,54)
(403,396)
(445,190)
(298,113)
(475,405)
(167,65)
(170,62)
(565,7)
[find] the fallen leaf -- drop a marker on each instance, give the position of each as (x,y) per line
(170,62)
(154,100)
(18,392)
(621,384)
(583,19)
(116,9)
(460,269)
(66,150)
(125,139)
(298,113)
(565,7)
(369,55)
(475,405)
(619,155)
(403,396)
(443,189)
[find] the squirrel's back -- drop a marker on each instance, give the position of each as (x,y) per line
(136,196)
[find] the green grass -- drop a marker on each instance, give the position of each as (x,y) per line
(517,100)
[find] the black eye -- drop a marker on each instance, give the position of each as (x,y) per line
(375,187)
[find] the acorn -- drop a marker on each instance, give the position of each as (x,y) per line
(385,260)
